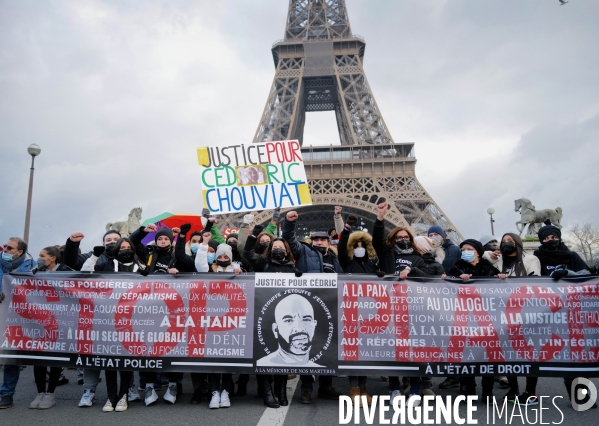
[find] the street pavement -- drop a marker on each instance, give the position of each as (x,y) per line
(249,410)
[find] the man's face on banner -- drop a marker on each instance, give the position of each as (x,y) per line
(295,324)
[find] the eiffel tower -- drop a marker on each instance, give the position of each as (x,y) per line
(319,67)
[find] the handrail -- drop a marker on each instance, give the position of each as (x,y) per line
(304,40)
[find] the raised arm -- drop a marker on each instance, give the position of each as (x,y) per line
(289,234)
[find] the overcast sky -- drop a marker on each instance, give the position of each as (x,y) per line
(501,98)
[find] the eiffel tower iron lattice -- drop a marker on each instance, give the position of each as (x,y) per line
(319,67)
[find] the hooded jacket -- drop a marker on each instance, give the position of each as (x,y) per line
(307,258)
(355,265)
(26,265)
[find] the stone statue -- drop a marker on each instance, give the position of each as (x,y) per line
(127,228)
(533,218)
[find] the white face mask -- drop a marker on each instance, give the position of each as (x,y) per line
(360,252)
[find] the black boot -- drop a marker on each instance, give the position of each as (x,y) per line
(269,399)
(281,389)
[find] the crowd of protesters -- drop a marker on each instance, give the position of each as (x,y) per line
(341,249)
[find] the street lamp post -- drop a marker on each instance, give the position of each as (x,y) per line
(491,210)
(33,150)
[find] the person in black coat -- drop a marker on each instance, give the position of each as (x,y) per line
(186,262)
(557,261)
(397,253)
(472,265)
(160,257)
(355,250)
(276,258)
(75,260)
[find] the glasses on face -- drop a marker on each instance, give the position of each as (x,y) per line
(400,238)
(8,248)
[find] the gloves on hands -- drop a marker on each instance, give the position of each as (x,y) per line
(257,230)
(351,220)
(185,228)
(99,250)
(276,214)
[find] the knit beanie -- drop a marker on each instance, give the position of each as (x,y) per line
(164,231)
(224,249)
(437,230)
(476,244)
(547,230)
(486,239)
(233,235)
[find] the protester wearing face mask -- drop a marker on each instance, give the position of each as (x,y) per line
(357,256)
(265,236)
(49,260)
(314,257)
(99,255)
(472,264)
(14,258)
(397,253)
(557,261)
(452,252)
(333,236)
(185,253)
(276,258)
(513,261)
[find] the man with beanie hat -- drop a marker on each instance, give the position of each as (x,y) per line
(557,261)
(489,242)
(452,252)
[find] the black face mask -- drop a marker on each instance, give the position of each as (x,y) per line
(261,248)
(125,256)
(322,250)
(109,249)
(508,248)
(551,244)
(277,254)
(223,263)
(403,244)
(232,244)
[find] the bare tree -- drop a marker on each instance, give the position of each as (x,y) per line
(585,241)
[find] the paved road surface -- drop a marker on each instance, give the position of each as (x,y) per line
(244,411)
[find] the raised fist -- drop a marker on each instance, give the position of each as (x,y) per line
(248,219)
(205,213)
(292,216)
(76,237)
(382,210)
(185,228)
(338,210)
(150,228)
(257,230)
(176,231)
(98,250)
(206,237)
(276,214)
(351,220)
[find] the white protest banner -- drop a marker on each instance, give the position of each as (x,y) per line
(256,176)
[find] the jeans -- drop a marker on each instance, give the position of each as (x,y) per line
(11,377)
(323,382)
(91,378)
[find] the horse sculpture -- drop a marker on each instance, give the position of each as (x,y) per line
(127,228)
(533,218)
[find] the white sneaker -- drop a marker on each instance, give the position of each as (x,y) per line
(215,401)
(36,402)
(394,395)
(151,396)
(133,395)
(88,398)
(225,402)
(171,393)
(122,404)
(415,398)
(108,407)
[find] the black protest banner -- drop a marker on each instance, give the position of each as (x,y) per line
(313,324)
